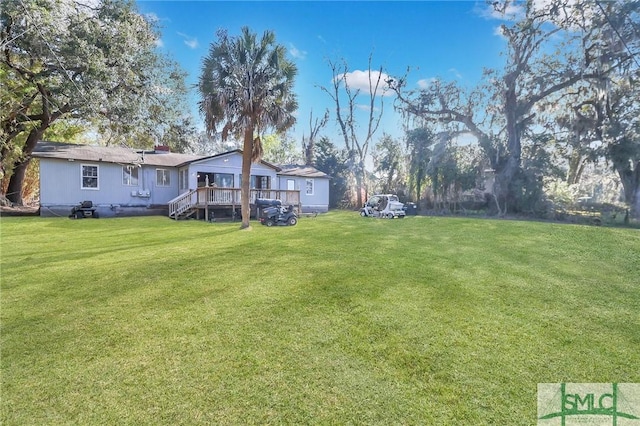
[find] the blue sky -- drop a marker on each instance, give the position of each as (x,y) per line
(452,40)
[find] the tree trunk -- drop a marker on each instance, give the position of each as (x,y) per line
(630,179)
(574,168)
(358,177)
(504,190)
(309,151)
(14,190)
(245,190)
(503,186)
(360,182)
(580,171)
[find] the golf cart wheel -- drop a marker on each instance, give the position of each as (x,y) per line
(292,221)
(79,215)
(269,222)
(390,215)
(363,214)
(96,215)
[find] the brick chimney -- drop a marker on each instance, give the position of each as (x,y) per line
(162,149)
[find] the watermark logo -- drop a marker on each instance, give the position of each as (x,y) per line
(568,404)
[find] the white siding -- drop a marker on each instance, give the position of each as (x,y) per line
(160,194)
(60,184)
(318,201)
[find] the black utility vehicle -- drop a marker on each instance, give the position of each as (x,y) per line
(275,214)
(84,209)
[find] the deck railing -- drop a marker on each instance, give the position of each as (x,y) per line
(212,196)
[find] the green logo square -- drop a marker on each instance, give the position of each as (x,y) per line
(566,404)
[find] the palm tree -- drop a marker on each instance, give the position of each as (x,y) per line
(246,86)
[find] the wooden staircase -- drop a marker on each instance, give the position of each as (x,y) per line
(184,205)
(186,214)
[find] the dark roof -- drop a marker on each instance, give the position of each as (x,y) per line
(121,155)
(302,171)
(109,154)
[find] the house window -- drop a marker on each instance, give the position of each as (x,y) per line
(89,177)
(259,182)
(184,181)
(130,175)
(309,186)
(223,180)
(291,185)
(163,177)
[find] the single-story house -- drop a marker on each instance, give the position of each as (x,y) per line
(122,181)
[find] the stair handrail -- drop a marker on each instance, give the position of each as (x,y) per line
(182,203)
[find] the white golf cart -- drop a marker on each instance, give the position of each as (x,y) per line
(383,205)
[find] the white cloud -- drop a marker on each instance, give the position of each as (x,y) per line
(367,108)
(426,82)
(513,11)
(297,53)
(455,73)
(496,10)
(322,39)
(192,42)
(359,80)
(154,18)
(499,31)
(159,42)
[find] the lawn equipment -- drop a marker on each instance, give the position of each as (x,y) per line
(383,205)
(84,209)
(278,215)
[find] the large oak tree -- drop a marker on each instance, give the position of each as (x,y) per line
(95,63)
(551,46)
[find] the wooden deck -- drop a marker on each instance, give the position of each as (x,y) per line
(212,197)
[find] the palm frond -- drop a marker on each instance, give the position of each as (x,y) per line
(247,83)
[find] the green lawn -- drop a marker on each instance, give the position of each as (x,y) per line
(339,320)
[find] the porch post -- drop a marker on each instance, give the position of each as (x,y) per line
(233,204)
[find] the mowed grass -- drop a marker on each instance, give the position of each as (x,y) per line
(339,320)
